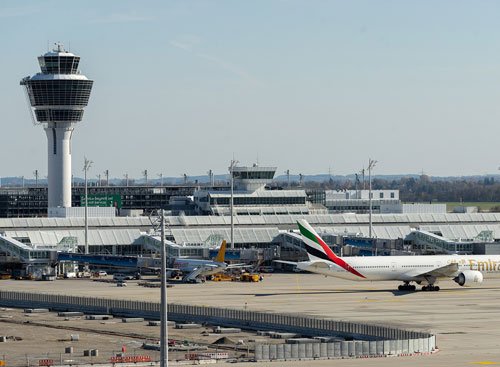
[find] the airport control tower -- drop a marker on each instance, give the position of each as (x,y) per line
(57,97)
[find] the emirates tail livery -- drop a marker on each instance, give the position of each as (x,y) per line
(466,270)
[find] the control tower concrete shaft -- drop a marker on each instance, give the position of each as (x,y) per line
(57,97)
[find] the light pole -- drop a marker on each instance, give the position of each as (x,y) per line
(161,179)
(362,172)
(86,167)
(126,179)
(35,172)
(231,169)
(145,174)
(287,172)
(163,302)
(106,173)
(371,165)
(211,178)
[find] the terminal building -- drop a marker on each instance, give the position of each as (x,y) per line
(382,201)
(252,195)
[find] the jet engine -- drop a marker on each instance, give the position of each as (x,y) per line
(468,277)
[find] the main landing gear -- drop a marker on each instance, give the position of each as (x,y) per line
(407,287)
(430,288)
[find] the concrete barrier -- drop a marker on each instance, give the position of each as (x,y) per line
(302,351)
(323,350)
(380,347)
(258,352)
(344,349)
(350,349)
(280,352)
(287,352)
(295,351)
(372,348)
(265,352)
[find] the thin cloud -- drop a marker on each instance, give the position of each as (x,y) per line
(187,46)
(123,18)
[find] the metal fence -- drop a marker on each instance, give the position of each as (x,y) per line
(371,340)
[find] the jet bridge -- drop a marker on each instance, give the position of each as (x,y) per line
(428,242)
(26,254)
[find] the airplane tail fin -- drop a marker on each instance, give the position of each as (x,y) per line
(222,252)
(316,248)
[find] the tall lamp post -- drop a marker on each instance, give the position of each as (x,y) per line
(86,167)
(163,302)
(371,165)
(231,169)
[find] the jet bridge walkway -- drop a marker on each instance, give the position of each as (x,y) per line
(429,242)
(25,253)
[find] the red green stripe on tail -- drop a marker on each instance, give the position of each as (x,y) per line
(308,232)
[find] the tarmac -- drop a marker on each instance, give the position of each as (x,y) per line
(465,320)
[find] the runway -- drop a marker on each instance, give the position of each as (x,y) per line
(465,320)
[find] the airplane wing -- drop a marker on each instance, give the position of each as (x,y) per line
(446,271)
(232,266)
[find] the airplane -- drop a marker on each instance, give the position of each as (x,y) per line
(465,270)
(195,268)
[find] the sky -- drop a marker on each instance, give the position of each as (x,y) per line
(184,86)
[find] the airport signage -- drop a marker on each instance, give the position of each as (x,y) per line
(103,200)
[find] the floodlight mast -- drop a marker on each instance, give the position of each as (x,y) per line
(86,166)
(371,165)
(163,302)
(231,171)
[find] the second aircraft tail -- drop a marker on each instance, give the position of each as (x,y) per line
(222,252)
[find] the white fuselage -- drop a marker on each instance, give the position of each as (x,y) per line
(404,268)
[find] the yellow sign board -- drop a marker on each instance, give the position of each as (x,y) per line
(2,363)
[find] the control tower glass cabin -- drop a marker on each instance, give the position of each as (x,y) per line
(57,97)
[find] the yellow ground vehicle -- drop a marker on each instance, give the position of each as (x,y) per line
(247,277)
(221,277)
